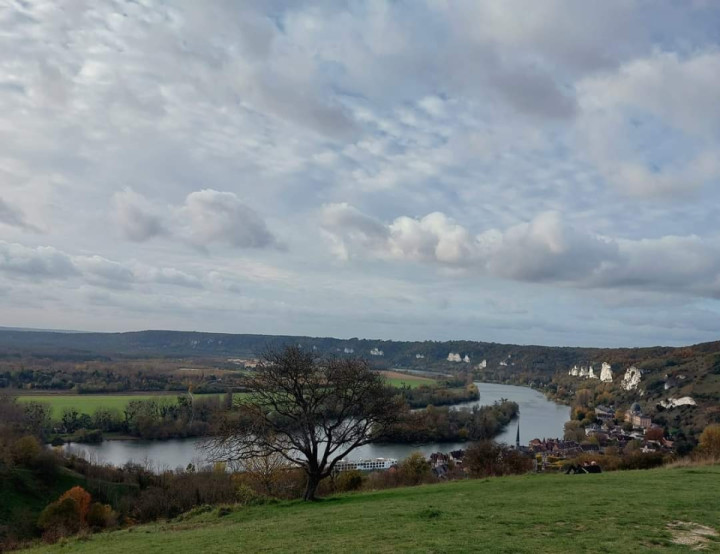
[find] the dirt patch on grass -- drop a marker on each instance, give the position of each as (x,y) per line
(691,534)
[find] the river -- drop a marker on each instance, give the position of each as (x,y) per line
(539,418)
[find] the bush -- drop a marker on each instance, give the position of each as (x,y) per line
(640,460)
(101,516)
(486,458)
(45,465)
(82,502)
(710,441)
(414,469)
(59,519)
(25,450)
(247,496)
(348,481)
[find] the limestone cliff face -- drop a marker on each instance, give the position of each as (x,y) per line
(586,372)
(632,377)
(675,402)
(606,374)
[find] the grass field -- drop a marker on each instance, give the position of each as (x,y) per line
(633,511)
(397,379)
(89,403)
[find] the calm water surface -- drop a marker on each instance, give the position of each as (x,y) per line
(539,417)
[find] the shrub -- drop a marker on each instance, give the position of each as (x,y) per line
(59,519)
(414,469)
(246,496)
(82,502)
(101,516)
(45,465)
(348,481)
(710,441)
(486,458)
(640,460)
(25,450)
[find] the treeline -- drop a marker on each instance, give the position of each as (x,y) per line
(101,376)
(155,418)
(423,396)
(442,424)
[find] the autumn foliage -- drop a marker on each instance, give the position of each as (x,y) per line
(710,441)
(82,502)
(73,512)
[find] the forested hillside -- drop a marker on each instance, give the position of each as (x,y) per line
(665,375)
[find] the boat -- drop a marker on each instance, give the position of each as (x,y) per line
(376,464)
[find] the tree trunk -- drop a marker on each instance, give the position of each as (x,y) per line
(312,484)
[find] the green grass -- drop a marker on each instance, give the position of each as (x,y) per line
(90,403)
(611,512)
(397,379)
(24,495)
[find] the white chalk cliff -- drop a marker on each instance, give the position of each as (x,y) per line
(675,402)
(631,380)
(606,374)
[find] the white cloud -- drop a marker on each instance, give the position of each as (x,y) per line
(544,250)
(101,271)
(467,119)
(207,216)
(136,217)
(13,217)
(214,216)
(652,125)
(42,262)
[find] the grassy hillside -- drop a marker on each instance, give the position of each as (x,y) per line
(24,494)
(624,511)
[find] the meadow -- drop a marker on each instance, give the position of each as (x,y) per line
(398,379)
(90,403)
(639,511)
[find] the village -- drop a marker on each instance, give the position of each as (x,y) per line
(611,437)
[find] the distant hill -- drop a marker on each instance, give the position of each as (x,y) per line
(665,375)
(197,344)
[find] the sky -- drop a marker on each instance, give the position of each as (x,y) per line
(519,171)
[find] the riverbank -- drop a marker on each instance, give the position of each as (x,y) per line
(538,418)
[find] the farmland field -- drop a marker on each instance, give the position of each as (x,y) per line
(90,403)
(397,379)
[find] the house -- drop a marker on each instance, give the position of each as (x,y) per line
(592,429)
(635,416)
(603,412)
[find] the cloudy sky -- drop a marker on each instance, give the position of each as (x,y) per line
(517,171)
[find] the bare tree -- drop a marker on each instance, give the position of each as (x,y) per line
(265,471)
(311,411)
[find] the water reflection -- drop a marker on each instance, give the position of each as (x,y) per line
(539,418)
